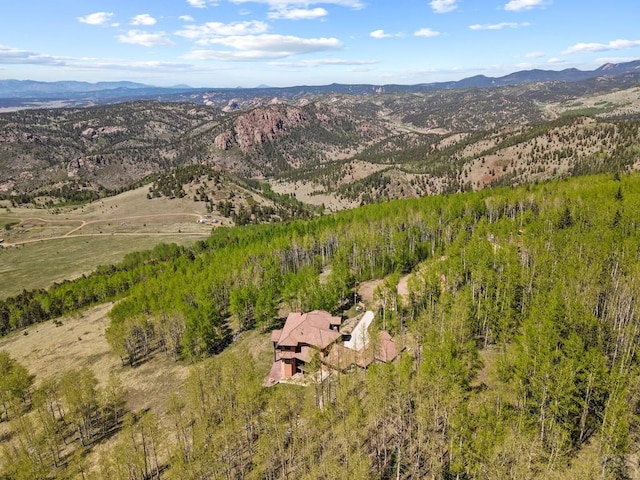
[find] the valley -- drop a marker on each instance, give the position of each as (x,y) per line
(495,297)
(351,149)
(151,249)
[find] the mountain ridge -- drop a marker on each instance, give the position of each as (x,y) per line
(359,144)
(19,87)
(108,91)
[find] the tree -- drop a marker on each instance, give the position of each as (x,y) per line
(566,219)
(80,394)
(112,402)
(387,294)
(242,301)
(135,454)
(206,333)
(15,385)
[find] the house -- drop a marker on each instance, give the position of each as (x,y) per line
(303,335)
(318,333)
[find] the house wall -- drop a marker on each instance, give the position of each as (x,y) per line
(289,368)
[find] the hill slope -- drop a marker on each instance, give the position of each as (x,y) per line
(435,141)
(519,324)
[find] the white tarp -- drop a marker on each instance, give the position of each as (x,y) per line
(360,334)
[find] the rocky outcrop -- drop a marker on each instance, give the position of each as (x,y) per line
(92,133)
(13,133)
(224,141)
(86,164)
(231,106)
(261,126)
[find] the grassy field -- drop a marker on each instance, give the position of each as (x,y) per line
(39,264)
(45,246)
(48,350)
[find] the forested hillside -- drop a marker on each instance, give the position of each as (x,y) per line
(519,330)
(356,148)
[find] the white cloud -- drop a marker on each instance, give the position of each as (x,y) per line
(202,3)
(426,32)
(102,64)
(534,55)
(260,47)
(444,6)
(380,34)
(556,61)
(516,5)
(298,14)
(324,62)
(14,56)
(278,43)
(499,26)
(210,31)
(602,47)
(186,18)
(286,4)
(602,60)
(143,19)
(97,18)
(145,39)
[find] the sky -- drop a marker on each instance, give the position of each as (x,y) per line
(247,43)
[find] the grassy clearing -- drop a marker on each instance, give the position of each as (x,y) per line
(40,264)
(7,223)
(584,111)
(48,351)
(57,244)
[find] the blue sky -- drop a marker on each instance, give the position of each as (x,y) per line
(230,43)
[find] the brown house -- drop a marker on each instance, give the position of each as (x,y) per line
(318,332)
(303,334)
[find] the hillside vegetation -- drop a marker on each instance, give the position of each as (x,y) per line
(47,241)
(520,328)
(358,148)
(508,278)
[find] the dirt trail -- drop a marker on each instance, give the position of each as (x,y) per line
(76,229)
(366,289)
(71,233)
(114,234)
(403,286)
(132,217)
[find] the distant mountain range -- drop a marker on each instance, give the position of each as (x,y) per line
(100,92)
(536,75)
(30,93)
(357,142)
(32,88)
